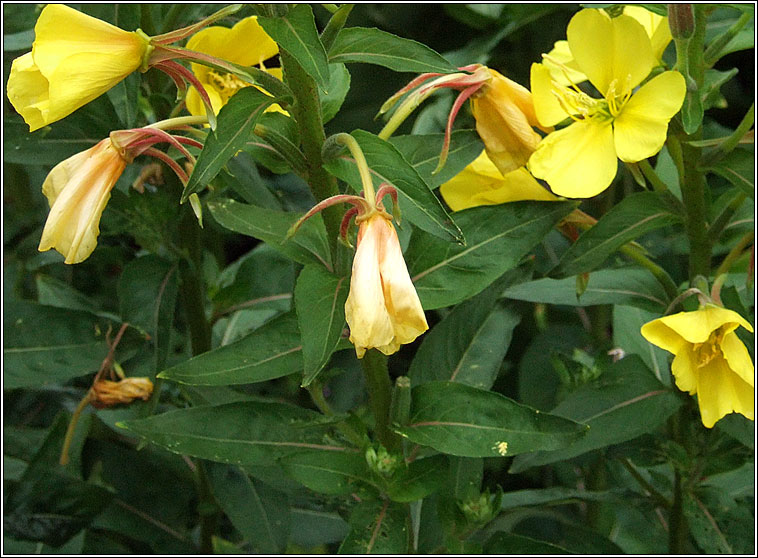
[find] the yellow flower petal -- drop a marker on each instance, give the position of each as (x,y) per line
(720,392)
(609,50)
(661,335)
(382,308)
(504,116)
(481,183)
(75,58)
(548,110)
(246,43)
(656,27)
(697,326)
(640,128)
(563,68)
(78,190)
(738,357)
(685,368)
(578,161)
(28,91)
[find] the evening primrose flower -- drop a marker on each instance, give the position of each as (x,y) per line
(481,183)
(74,59)
(382,308)
(502,108)
(246,44)
(710,359)
(579,161)
(77,190)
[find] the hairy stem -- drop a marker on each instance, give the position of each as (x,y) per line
(375,369)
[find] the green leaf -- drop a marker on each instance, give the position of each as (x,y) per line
(236,121)
(497,237)
(54,292)
(339,85)
(315,527)
(124,97)
(461,420)
(738,167)
(466,474)
(327,472)
(503,543)
(634,216)
(240,433)
(372,46)
(625,402)
(271,351)
(320,303)
(627,322)
(259,513)
(468,345)
(377,527)
(243,177)
(557,495)
(423,153)
(692,109)
(147,292)
(632,286)
(307,246)
(417,202)
(296,33)
(44,344)
(421,478)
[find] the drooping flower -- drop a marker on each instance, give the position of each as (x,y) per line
(382,309)
(107,393)
(74,59)
(579,161)
(77,190)
(502,108)
(710,359)
(481,183)
(246,44)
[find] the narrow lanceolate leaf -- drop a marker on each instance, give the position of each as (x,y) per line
(327,472)
(240,433)
(468,345)
(147,292)
(631,286)
(417,201)
(44,344)
(271,351)
(738,167)
(308,245)
(377,527)
(236,121)
(625,402)
(497,238)
(634,216)
(372,46)
(423,153)
(461,420)
(261,514)
(320,303)
(296,33)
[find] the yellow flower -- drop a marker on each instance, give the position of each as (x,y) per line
(77,190)
(382,309)
(74,59)
(481,183)
(564,69)
(579,161)
(504,116)
(246,44)
(710,359)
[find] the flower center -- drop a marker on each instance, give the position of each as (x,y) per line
(578,104)
(225,83)
(710,349)
(618,94)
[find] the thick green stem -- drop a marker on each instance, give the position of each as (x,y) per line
(307,112)
(691,178)
(677,521)
(380,396)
